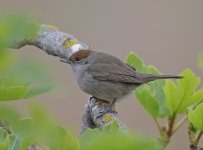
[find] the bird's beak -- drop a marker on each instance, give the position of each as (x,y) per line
(65,61)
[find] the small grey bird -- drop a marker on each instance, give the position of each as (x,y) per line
(107,77)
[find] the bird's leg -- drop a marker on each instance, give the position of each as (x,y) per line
(111,107)
(108,107)
(112,104)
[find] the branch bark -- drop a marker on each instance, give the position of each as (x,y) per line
(62,45)
(98,115)
(51,40)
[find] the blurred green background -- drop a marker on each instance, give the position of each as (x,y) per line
(167,34)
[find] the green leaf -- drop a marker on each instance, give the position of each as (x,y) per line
(151,96)
(136,62)
(112,127)
(195,117)
(88,136)
(147,100)
(6,60)
(38,90)
(43,129)
(13,92)
(9,114)
(95,140)
(14,142)
(183,94)
(4,139)
(3,135)
(25,80)
(67,140)
(20,92)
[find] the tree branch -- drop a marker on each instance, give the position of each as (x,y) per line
(51,40)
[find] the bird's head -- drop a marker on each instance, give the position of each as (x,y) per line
(78,59)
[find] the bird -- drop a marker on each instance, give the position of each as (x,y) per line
(106,77)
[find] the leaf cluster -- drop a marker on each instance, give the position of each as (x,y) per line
(167,100)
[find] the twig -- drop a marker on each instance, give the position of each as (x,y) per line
(171,122)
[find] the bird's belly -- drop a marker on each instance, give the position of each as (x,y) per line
(105,90)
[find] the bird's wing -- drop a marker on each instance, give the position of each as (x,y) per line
(114,73)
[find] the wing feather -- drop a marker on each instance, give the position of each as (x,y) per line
(114,73)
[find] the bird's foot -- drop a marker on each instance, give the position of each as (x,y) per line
(112,104)
(110,108)
(107,111)
(105,106)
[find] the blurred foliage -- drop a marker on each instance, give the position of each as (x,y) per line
(13,27)
(24,80)
(112,139)
(19,79)
(38,129)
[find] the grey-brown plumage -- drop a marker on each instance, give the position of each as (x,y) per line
(107,77)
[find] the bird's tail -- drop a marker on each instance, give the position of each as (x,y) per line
(149,77)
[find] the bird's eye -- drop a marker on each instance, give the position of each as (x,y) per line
(77,59)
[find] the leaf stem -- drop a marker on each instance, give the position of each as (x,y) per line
(171,122)
(199,135)
(158,125)
(178,125)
